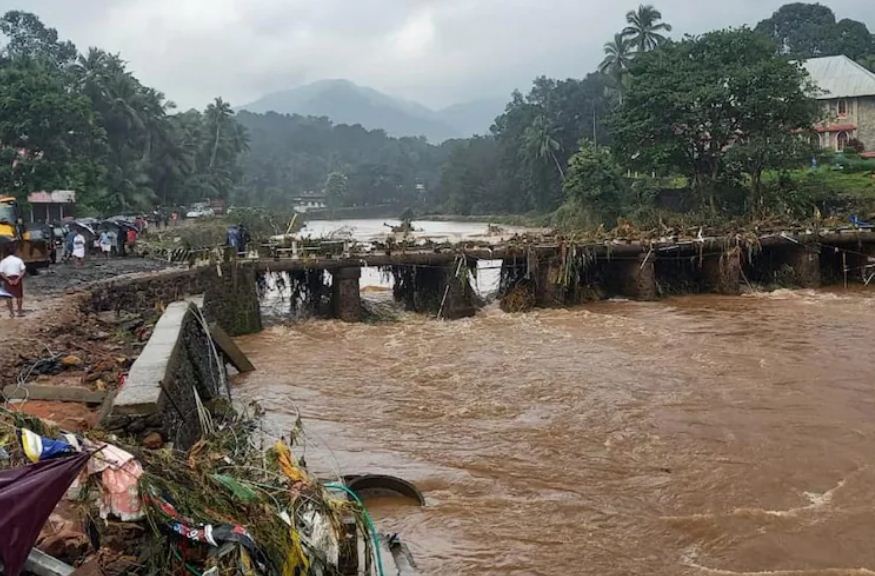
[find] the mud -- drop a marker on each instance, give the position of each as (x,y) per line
(61,278)
(56,326)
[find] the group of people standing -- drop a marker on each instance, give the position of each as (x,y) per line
(120,241)
(237,238)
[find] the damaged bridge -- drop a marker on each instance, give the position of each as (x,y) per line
(554,273)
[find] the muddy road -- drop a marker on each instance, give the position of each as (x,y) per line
(61,278)
(53,322)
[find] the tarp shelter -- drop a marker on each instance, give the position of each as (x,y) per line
(27,497)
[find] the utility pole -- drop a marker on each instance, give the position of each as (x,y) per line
(595,138)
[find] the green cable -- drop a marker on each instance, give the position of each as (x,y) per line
(374,536)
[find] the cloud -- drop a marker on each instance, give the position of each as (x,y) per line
(435,51)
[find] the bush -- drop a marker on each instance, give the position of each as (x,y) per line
(595,185)
(856,145)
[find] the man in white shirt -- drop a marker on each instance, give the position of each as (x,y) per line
(12,271)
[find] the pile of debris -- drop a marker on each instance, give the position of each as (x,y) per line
(230,505)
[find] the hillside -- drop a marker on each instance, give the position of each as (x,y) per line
(475,117)
(347,103)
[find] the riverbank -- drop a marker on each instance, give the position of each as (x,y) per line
(61,342)
(189,486)
(393,212)
(531,220)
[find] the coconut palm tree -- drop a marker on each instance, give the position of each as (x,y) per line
(644,29)
(218,116)
(541,144)
(618,56)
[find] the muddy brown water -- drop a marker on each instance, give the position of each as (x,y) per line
(695,435)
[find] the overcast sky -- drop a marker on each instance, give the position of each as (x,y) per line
(437,52)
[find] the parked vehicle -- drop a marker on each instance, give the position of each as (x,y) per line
(34,242)
(200,213)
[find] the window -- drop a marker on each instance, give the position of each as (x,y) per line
(841,141)
(7,213)
(843,108)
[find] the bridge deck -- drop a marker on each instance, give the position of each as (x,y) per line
(617,248)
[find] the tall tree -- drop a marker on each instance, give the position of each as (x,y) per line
(336,188)
(48,137)
(218,117)
(803,30)
(28,37)
(645,31)
(541,144)
(595,184)
(618,58)
(692,102)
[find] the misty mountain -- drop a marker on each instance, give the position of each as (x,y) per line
(347,103)
(474,117)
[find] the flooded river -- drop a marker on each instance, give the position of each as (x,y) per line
(694,435)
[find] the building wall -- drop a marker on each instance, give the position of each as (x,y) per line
(860,112)
(51,212)
(866,121)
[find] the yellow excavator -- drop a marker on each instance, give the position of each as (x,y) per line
(34,246)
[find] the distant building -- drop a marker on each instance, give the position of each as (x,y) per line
(308,201)
(218,206)
(847,92)
(52,206)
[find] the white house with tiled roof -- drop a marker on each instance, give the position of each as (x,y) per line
(847,91)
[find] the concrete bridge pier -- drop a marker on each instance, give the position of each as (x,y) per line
(788,264)
(231,298)
(346,301)
(721,273)
(805,261)
(633,277)
(549,290)
(457,295)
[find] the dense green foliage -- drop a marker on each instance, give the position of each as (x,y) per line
(714,108)
(84,122)
(716,123)
(291,155)
(520,166)
(801,30)
(708,124)
(595,184)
